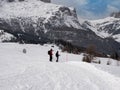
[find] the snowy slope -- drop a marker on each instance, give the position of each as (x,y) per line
(102,23)
(33,10)
(27,9)
(107,27)
(33,71)
(5,36)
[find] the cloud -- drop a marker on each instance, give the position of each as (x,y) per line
(92,9)
(86,14)
(114,2)
(81,2)
(111,9)
(73,3)
(96,9)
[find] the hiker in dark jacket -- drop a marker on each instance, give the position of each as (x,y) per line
(50,53)
(57,55)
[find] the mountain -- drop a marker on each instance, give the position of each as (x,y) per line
(35,18)
(115,14)
(46,1)
(34,21)
(107,27)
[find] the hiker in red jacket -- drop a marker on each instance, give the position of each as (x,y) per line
(50,53)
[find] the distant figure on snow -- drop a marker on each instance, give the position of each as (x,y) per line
(24,51)
(57,55)
(50,53)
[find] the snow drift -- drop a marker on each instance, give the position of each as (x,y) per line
(33,71)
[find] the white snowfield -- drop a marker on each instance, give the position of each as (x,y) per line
(28,9)
(33,71)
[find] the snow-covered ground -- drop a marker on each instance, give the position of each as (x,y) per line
(33,71)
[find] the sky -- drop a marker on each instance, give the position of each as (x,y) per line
(92,9)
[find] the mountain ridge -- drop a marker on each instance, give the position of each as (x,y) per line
(105,28)
(39,22)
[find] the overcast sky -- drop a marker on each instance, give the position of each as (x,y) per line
(92,9)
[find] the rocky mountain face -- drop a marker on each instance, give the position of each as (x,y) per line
(115,14)
(33,21)
(105,28)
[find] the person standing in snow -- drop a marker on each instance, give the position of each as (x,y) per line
(57,55)
(50,53)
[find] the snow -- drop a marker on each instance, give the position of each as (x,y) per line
(117,37)
(98,26)
(102,34)
(81,20)
(36,9)
(100,21)
(5,36)
(33,71)
(28,9)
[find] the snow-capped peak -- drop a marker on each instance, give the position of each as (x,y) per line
(35,9)
(107,27)
(9,1)
(105,20)
(27,9)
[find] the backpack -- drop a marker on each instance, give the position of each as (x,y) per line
(48,52)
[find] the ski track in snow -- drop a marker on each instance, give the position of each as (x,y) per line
(33,71)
